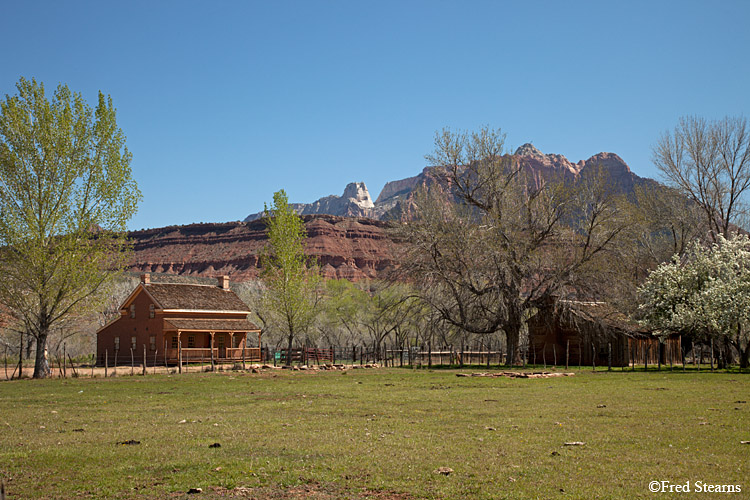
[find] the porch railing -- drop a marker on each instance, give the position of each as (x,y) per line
(203,354)
(252,354)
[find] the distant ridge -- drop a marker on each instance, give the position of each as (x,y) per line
(396,195)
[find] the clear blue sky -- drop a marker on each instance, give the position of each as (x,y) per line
(224,103)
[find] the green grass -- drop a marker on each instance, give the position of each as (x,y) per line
(374,433)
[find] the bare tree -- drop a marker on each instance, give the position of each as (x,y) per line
(709,161)
(492,245)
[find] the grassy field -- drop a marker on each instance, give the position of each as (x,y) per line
(374,434)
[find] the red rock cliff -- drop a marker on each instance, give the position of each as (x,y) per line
(349,248)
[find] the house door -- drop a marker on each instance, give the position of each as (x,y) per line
(221,339)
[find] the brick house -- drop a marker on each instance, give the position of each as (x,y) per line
(198,322)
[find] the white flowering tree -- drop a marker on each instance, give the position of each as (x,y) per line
(706,294)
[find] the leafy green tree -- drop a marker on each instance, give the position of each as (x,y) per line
(66,194)
(292,279)
(706,294)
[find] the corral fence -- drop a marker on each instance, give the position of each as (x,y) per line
(638,353)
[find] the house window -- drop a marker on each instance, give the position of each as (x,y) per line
(117,343)
(153,342)
(191,340)
(132,310)
(151,311)
(221,341)
(132,342)
(174,342)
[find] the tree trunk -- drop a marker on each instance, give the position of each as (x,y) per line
(513,335)
(745,357)
(41,345)
(290,339)
(29,343)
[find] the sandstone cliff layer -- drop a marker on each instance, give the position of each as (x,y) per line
(346,248)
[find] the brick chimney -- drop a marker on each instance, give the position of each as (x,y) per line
(146,278)
(224,282)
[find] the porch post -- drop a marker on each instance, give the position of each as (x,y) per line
(211,346)
(243,344)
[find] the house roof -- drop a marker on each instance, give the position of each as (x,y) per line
(185,297)
(210,325)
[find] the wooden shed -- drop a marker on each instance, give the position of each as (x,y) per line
(199,322)
(587,332)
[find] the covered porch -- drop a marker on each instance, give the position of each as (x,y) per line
(205,340)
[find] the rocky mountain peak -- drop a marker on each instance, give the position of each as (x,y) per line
(356,192)
(528,149)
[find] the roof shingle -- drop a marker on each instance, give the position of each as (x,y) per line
(195,297)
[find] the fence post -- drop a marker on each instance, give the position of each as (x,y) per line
(179,355)
(682,354)
(65,371)
(211,348)
(144,359)
(712,353)
(554,354)
(567,353)
(609,356)
(244,345)
(646,349)
(429,354)
(544,355)
(593,357)
(658,355)
(156,351)
(106,363)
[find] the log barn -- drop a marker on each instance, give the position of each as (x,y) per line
(169,320)
(588,331)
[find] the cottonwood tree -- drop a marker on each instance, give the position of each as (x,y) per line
(491,245)
(66,194)
(707,294)
(709,161)
(291,278)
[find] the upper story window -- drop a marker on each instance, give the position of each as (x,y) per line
(151,311)
(132,310)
